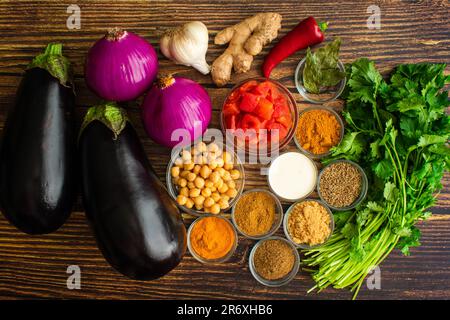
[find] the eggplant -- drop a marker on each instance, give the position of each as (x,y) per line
(37,179)
(137,225)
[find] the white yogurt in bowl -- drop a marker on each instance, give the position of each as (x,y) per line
(292,176)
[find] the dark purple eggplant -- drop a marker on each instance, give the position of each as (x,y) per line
(37,180)
(138,227)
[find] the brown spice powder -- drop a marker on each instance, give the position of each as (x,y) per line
(273,259)
(309,223)
(340,184)
(255,213)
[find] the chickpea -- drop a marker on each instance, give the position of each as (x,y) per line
(198,207)
(186,156)
(198,160)
(181,200)
(213,147)
(221,171)
(189,166)
(175,180)
(235,174)
(199,182)
(191,185)
(219,184)
(182,182)
(226,176)
(205,171)
(214,177)
(204,159)
(218,153)
(206,192)
(196,169)
(223,204)
(223,188)
(225,197)
(213,189)
(191,176)
(194,193)
(215,208)
(178,162)
(231,193)
(227,158)
(199,200)
(206,210)
(215,196)
(228,166)
(184,173)
(231,184)
(209,184)
(175,171)
(212,164)
(209,202)
(184,191)
(220,162)
(201,146)
(189,203)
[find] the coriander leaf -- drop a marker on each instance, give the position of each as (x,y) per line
(390,192)
(372,205)
(409,241)
(364,81)
(349,230)
(383,169)
(428,139)
(351,144)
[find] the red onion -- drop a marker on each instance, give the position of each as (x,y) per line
(175,103)
(121,66)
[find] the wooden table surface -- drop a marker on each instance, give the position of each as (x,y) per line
(35,266)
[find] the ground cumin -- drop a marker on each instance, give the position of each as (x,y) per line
(318,131)
(309,223)
(255,213)
(273,259)
(212,238)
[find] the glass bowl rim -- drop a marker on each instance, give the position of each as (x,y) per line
(171,187)
(306,195)
(279,282)
(293,104)
(302,90)
(364,185)
(341,133)
(212,261)
(301,245)
(276,225)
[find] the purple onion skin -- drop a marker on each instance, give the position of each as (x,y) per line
(121,69)
(176,106)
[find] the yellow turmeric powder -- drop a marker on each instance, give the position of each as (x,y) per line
(212,238)
(318,131)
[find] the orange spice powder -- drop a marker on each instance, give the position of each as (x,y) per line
(318,131)
(212,238)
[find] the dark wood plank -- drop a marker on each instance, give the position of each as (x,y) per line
(35,267)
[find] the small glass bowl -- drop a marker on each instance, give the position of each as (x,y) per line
(364,186)
(279,282)
(172,188)
(341,134)
(286,221)
(286,199)
(278,216)
(212,261)
(292,107)
(327,94)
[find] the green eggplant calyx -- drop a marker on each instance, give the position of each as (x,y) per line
(55,63)
(110,114)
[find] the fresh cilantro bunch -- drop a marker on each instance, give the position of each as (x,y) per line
(398,131)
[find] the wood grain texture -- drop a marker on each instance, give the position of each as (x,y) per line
(35,266)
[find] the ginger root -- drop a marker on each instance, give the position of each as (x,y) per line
(246,39)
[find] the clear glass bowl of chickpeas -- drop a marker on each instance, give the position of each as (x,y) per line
(205,178)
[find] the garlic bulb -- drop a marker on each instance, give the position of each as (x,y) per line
(187,45)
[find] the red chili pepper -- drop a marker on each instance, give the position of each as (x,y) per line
(306,33)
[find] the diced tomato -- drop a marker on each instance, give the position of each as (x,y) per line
(263,88)
(230,122)
(250,122)
(282,131)
(248,86)
(286,121)
(234,96)
(230,109)
(274,94)
(281,109)
(249,102)
(264,109)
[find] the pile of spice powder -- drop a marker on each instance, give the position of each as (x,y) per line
(309,223)
(273,259)
(340,184)
(255,213)
(318,131)
(212,238)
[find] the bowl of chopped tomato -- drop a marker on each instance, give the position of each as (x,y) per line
(259,114)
